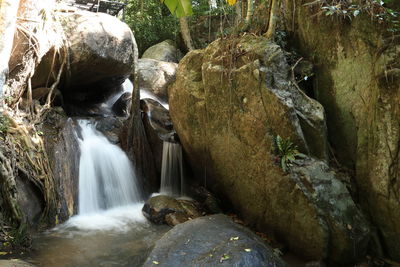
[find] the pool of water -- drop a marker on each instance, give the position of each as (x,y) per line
(116,237)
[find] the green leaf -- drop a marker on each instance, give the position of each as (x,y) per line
(279,142)
(179,8)
(224,258)
(283,163)
(290,158)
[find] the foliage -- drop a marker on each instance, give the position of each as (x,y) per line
(21,237)
(179,8)
(377,9)
(210,22)
(4,124)
(231,2)
(287,152)
(151,22)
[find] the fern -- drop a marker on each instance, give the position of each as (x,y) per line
(287,152)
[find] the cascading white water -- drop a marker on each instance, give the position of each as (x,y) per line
(146,94)
(106,176)
(126,87)
(172,178)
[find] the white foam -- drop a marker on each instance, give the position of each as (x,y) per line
(116,219)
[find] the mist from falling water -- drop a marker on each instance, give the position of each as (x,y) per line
(172,176)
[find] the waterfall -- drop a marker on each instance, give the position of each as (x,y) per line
(126,87)
(146,94)
(172,178)
(106,176)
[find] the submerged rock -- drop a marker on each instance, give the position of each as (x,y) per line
(228,110)
(155,76)
(212,241)
(164,51)
(165,209)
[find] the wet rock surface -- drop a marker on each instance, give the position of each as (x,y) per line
(63,151)
(212,241)
(122,106)
(158,126)
(165,209)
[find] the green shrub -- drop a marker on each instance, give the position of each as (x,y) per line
(151,22)
(287,152)
(4,124)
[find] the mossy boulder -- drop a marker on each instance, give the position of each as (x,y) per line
(228,104)
(357,81)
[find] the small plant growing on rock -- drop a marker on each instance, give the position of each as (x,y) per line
(287,152)
(4,124)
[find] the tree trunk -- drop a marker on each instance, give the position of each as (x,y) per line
(273,17)
(8,15)
(185,31)
(250,8)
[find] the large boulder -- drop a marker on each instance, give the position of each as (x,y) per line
(212,241)
(357,81)
(164,51)
(155,76)
(98,54)
(228,105)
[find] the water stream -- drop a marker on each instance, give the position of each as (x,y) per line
(106,176)
(172,176)
(109,229)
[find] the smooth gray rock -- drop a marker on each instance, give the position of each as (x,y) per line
(164,51)
(155,76)
(212,241)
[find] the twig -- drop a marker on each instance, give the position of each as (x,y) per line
(53,86)
(293,76)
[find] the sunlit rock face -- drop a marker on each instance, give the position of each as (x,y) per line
(155,76)
(164,51)
(228,104)
(98,53)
